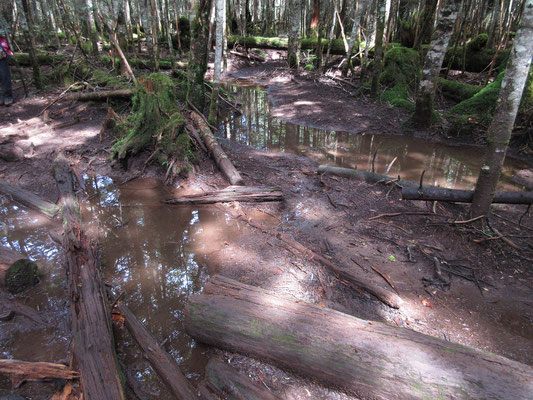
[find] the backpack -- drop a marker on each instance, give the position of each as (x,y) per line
(4,46)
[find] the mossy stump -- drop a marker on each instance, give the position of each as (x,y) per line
(21,275)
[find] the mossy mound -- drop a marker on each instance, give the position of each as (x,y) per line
(156,122)
(477,43)
(475,60)
(21,276)
(401,73)
(457,91)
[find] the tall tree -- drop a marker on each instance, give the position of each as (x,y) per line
(293,54)
(425,97)
(378,48)
(29,34)
(219,43)
(353,38)
(501,127)
(425,24)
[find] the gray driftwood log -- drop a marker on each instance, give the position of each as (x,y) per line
(232,193)
(369,359)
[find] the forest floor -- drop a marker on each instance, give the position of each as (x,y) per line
(349,222)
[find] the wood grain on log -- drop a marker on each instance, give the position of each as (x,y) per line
(28,199)
(21,371)
(232,193)
(369,359)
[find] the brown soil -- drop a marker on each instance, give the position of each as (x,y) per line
(490,310)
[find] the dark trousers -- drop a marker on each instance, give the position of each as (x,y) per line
(5,78)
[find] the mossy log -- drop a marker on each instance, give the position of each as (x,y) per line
(223,162)
(17,273)
(28,199)
(164,63)
(24,60)
(101,95)
(21,371)
(367,358)
(233,385)
(93,345)
(164,365)
(231,193)
(456,90)
(476,60)
(432,193)
(277,43)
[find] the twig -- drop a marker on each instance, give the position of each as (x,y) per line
(331,200)
(386,277)
(467,221)
(114,303)
(506,240)
(404,213)
(201,115)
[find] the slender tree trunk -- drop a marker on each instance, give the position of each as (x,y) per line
(380,28)
(501,127)
(353,38)
(426,24)
(494,31)
(293,53)
(91,27)
(425,98)
(155,35)
(30,39)
(219,50)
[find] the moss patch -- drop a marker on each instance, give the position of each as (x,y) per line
(457,91)
(401,73)
(21,276)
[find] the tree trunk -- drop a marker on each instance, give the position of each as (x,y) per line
(353,39)
(431,193)
(29,34)
(164,365)
(378,57)
(425,26)
(93,346)
(293,52)
(21,371)
(368,358)
(425,98)
(91,26)
(28,199)
(220,11)
(500,129)
(231,193)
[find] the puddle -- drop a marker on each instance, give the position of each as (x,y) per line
(157,254)
(446,166)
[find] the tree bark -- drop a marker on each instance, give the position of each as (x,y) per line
(507,105)
(32,46)
(21,371)
(93,345)
(223,162)
(353,38)
(293,52)
(368,358)
(231,193)
(164,365)
(28,199)
(220,11)
(378,57)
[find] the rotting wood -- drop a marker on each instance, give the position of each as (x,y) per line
(221,159)
(28,199)
(93,345)
(164,365)
(101,95)
(21,371)
(226,381)
(17,273)
(370,359)
(432,193)
(231,193)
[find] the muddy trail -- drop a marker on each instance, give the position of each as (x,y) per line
(157,255)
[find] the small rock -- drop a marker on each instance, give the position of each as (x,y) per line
(524,177)
(11,153)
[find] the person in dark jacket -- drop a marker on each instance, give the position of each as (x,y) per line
(5,75)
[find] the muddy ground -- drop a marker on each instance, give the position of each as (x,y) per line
(487,304)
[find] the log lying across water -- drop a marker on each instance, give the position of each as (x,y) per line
(93,345)
(21,371)
(164,365)
(221,158)
(432,193)
(232,193)
(28,199)
(369,359)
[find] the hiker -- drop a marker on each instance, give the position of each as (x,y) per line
(5,76)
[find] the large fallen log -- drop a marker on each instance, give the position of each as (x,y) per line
(21,371)
(221,159)
(28,199)
(233,385)
(17,273)
(164,365)
(432,193)
(231,193)
(100,96)
(93,345)
(369,359)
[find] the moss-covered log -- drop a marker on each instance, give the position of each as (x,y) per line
(458,91)
(277,43)
(17,273)
(42,58)
(367,358)
(164,63)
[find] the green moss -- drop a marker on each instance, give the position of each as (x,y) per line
(21,276)
(477,43)
(476,60)
(309,67)
(398,96)
(457,91)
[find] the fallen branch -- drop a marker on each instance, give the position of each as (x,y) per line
(29,199)
(433,193)
(231,193)
(21,371)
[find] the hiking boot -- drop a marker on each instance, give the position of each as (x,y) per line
(8,100)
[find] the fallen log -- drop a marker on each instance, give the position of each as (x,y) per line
(231,193)
(17,273)
(28,199)
(221,159)
(164,365)
(233,385)
(278,43)
(93,345)
(100,96)
(249,56)
(21,371)
(432,193)
(367,176)
(367,358)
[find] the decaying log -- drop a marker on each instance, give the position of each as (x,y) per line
(164,365)
(21,371)
(231,193)
(28,199)
(367,358)
(249,56)
(432,193)
(17,273)
(233,385)
(93,345)
(221,159)
(100,96)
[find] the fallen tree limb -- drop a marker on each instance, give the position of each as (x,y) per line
(28,199)
(164,365)
(93,345)
(367,358)
(221,159)
(101,95)
(9,306)
(21,371)
(249,56)
(233,385)
(231,193)
(17,273)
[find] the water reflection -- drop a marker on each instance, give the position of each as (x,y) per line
(452,167)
